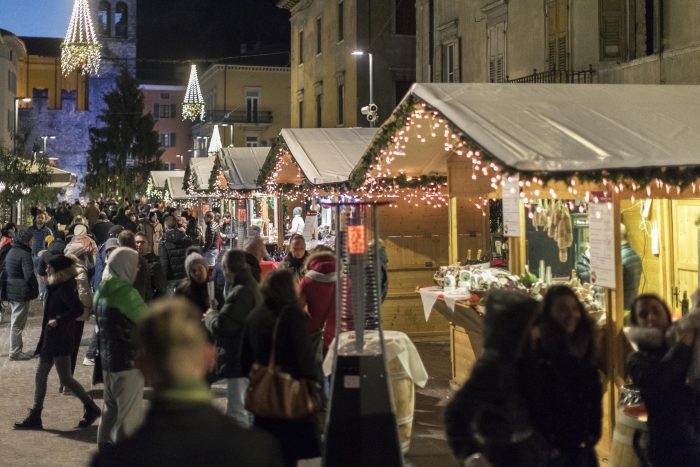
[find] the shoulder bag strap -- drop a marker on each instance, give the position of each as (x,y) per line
(273,348)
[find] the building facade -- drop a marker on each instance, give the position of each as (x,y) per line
(66,107)
(606,41)
(164,102)
(12,52)
(330,85)
(248,103)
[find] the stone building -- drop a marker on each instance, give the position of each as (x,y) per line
(607,41)
(12,51)
(66,107)
(328,84)
(249,103)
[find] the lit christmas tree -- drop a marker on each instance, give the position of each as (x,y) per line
(215,143)
(80,51)
(193,106)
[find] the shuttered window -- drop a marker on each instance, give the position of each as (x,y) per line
(557,12)
(451,62)
(612,23)
(497,52)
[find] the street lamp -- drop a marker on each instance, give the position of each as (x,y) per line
(179,156)
(44,138)
(26,100)
(370,111)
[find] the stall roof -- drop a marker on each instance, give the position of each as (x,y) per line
(202,167)
(327,155)
(160,176)
(174,185)
(242,166)
(564,127)
(58,178)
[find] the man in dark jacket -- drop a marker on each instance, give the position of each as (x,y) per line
(182,428)
(211,239)
(101,229)
(172,252)
(22,287)
(39,232)
(631,269)
(227,327)
(156,279)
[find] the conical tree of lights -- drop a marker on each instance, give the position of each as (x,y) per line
(80,51)
(193,106)
(215,144)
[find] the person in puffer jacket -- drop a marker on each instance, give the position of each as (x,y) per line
(81,259)
(118,307)
(317,290)
(172,253)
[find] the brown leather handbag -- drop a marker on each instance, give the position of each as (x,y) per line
(273,393)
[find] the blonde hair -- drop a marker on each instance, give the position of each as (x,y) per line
(170,339)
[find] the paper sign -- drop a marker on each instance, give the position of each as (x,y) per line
(601,237)
(511,206)
(309,225)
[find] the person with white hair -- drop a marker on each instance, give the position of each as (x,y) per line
(118,307)
(297,222)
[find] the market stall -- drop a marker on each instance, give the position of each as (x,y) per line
(155,188)
(243,197)
(174,191)
(306,164)
(552,151)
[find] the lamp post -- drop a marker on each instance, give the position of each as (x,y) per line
(26,100)
(47,137)
(369,111)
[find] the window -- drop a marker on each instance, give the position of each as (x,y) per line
(341,104)
(451,62)
(301,114)
(318,35)
(341,20)
(251,141)
(163,110)
(121,20)
(166,140)
(252,99)
(104,19)
(557,23)
(497,52)
(301,46)
(319,110)
(405,17)
(401,86)
(612,24)
(165,95)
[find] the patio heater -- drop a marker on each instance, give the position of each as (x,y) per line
(361,427)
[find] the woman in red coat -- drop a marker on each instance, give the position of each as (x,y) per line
(317,290)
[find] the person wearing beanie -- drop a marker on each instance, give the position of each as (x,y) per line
(61,307)
(118,307)
(101,228)
(194,286)
(172,253)
(22,287)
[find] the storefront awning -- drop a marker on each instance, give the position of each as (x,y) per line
(555,127)
(242,165)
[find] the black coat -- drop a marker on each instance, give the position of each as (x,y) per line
(172,252)
(56,248)
(564,395)
(22,285)
(157,286)
(184,434)
(672,405)
(227,324)
(101,231)
(62,304)
(299,439)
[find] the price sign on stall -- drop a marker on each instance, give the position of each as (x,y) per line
(511,206)
(601,230)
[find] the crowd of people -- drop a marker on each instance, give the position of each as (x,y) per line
(140,269)
(177,308)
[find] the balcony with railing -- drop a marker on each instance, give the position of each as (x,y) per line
(588,76)
(239,116)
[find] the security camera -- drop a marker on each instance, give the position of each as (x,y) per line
(365,110)
(373,108)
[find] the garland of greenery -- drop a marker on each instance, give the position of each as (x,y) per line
(271,160)
(681,176)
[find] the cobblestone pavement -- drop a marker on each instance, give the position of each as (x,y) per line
(61,444)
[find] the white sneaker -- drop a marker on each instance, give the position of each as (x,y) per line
(89,361)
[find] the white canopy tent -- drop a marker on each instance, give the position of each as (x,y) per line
(559,127)
(242,166)
(201,167)
(327,155)
(174,186)
(159,177)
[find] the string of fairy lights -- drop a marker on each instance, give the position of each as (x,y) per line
(81,51)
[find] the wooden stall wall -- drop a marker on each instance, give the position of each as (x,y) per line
(639,235)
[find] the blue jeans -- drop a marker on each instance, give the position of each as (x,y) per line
(235,393)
